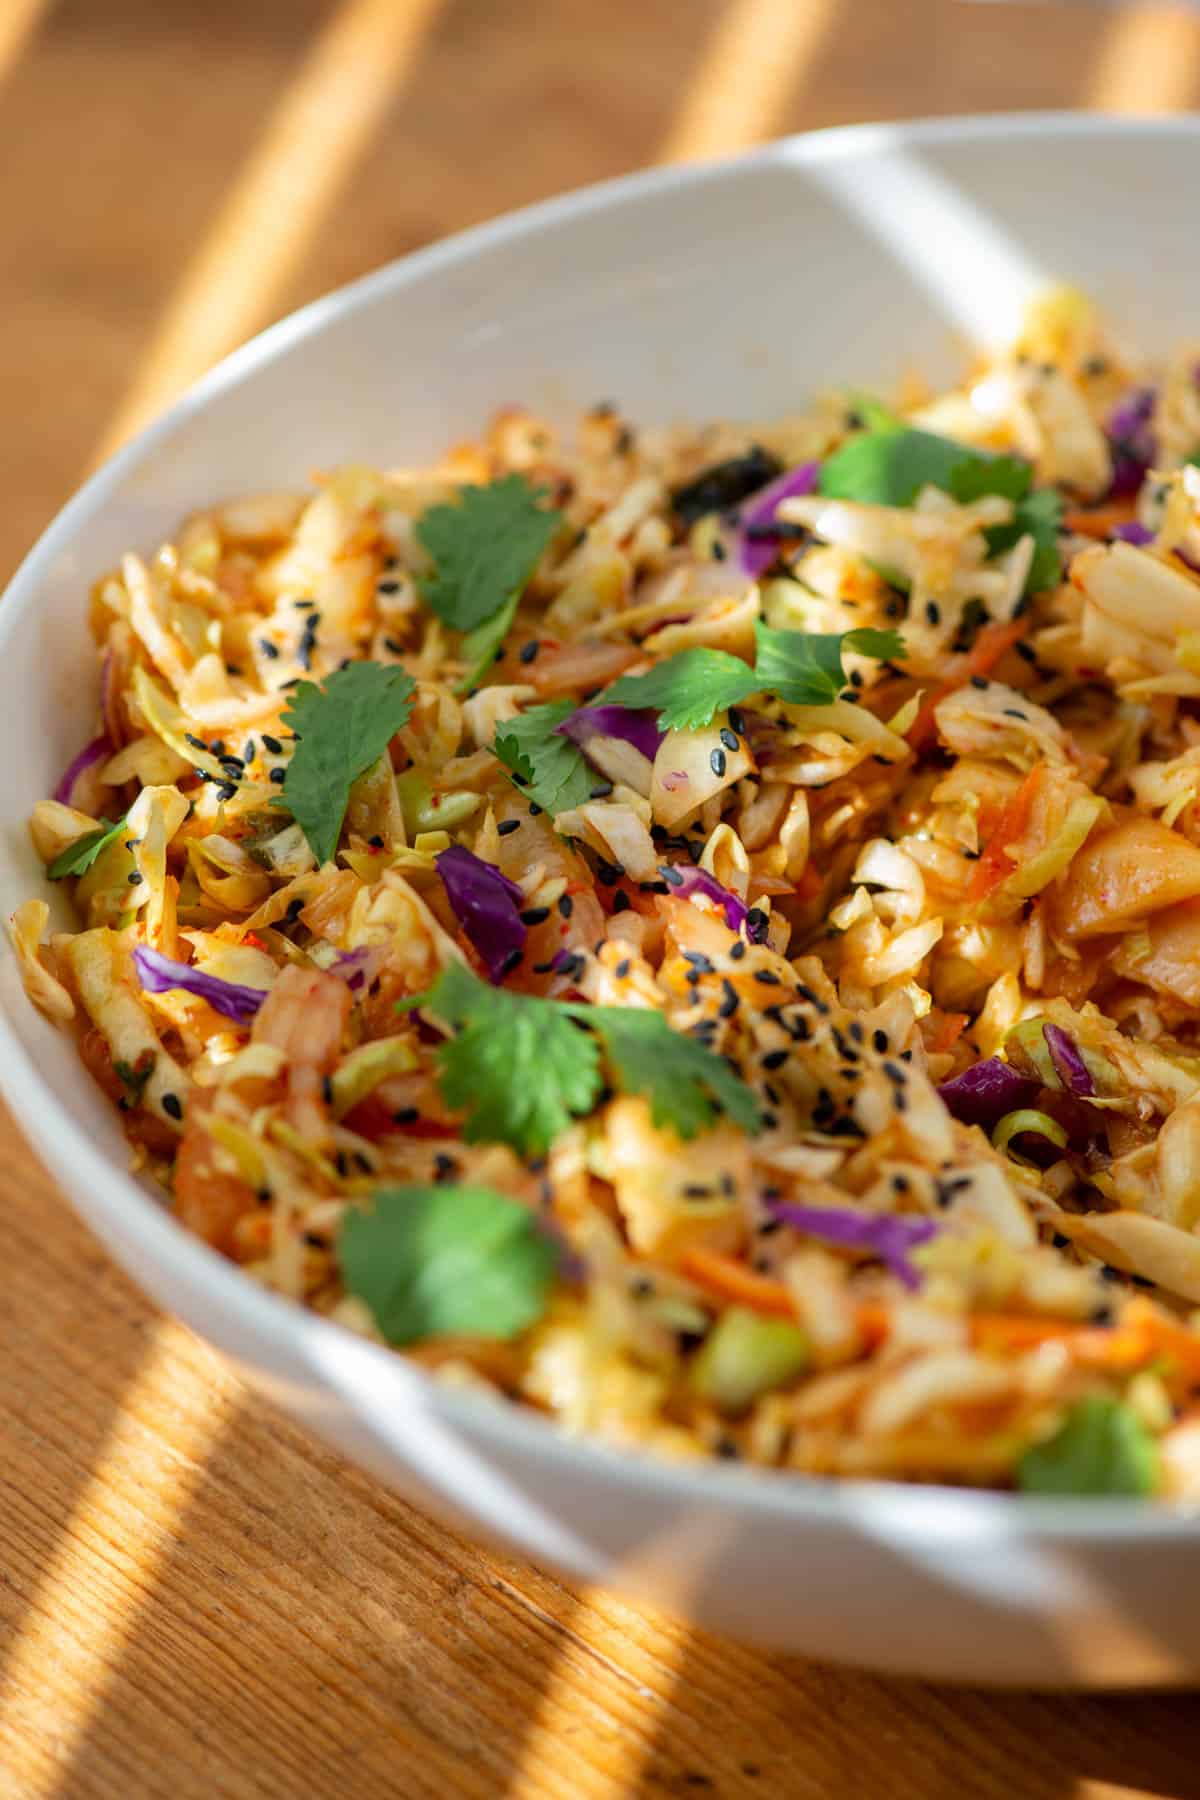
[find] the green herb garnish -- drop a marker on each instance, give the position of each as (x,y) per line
(803,668)
(484,547)
(343,727)
(551,770)
(890,466)
(428,1261)
(523,1068)
(78,857)
(1101,1447)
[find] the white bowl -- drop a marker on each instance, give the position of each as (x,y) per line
(729,289)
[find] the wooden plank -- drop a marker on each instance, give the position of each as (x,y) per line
(194,1600)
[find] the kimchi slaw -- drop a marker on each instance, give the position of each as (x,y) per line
(694,931)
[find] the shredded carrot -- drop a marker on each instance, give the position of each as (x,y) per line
(997,861)
(942,1030)
(730,1279)
(993,642)
(1100,521)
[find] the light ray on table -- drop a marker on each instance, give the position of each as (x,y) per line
(19,19)
(320,127)
(760,54)
(1147,62)
(106,1562)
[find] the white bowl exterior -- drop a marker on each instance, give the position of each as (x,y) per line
(734,290)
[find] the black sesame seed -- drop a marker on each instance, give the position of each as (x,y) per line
(978,681)
(623,969)
(768,977)
(535,811)
(272,744)
(268,649)
(737,951)
(621,901)
(933,612)
(172,1105)
(728,739)
(278,776)
(566,906)
(535,915)
(774,1059)
(730,1001)
(135,880)
(387,587)
(407,1115)
(375,841)
(670,875)
(507,826)
(880,1041)
(716,762)
(529,651)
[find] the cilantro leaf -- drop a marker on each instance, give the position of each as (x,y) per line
(481,646)
(890,467)
(689,689)
(804,668)
(79,856)
(519,1067)
(435,1260)
(484,548)
(1039,514)
(342,727)
(1102,1447)
(684,1082)
(522,1068)
(552,770)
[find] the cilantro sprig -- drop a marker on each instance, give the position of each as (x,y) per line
(78,857)
(484,546)
(803,668)
(551,769)
(433,1260)
(890,465)
(342,727)
(522,1068)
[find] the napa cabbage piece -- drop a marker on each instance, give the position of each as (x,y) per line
(100,963)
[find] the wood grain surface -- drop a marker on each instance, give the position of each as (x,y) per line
(195,1601)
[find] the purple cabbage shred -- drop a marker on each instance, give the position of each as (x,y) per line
(986,1091)
(757,552)
(159,974)
(884,1235)
(488,907)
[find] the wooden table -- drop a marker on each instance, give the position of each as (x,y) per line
(194,1601)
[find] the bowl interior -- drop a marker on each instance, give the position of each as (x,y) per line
(735,290)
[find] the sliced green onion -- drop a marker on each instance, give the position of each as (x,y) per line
(1028,1119)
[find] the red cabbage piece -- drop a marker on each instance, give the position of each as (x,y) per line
(352,967)
(687,880)
(881,1234)
(986,1091)
(1131,440)
(757,546)
(96,751)
(1069,1065)
(488,907)
(1133,533)
(634,725)
(158,974)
